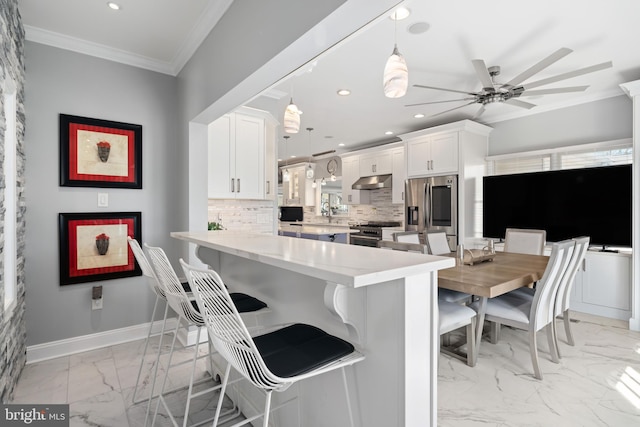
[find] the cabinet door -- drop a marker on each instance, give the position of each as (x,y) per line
(418,157)
(376,164)
(249,157)
(350,174)
(399,176)
(444,153)
(607,281)
(219,158)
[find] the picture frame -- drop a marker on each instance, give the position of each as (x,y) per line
(94,246)
(100,153)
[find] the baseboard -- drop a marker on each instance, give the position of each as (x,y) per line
(51,350)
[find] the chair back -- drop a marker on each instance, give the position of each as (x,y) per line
(543,304)
(525,241)
(438,243)
(407,237)
(402,246)
(564,291)
(227,331)
(146,268)
(177,298)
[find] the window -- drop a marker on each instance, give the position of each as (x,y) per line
(608,153)
(10,198)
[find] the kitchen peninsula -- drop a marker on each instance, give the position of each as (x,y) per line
(384,302)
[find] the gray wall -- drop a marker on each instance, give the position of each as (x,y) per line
(603,120)
(60,81)
(13,329)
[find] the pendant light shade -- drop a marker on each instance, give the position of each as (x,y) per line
(310,173)
(291,118)
(396,75)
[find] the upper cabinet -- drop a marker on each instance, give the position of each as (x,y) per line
(376,164)
(445,149)
(399,175)
(237,157)
(350,174)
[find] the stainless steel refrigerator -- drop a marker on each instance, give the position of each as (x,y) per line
(431,204)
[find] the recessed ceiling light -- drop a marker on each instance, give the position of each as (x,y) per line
(418,28)
(400,13)
(341,144)
(388,132)
(344,92)
(418,116)
(114,6)
(293,157)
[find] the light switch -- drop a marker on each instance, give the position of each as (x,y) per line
(103,200)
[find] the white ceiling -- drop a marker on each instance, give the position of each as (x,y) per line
(162,34)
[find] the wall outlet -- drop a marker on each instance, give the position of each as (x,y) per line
(96,304)
(103,200)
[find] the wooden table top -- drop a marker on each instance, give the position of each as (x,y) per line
(507,271)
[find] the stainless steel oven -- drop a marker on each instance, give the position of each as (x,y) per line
(370,233)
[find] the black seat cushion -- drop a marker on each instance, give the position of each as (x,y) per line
(300,348)
(244,303)
(186,287)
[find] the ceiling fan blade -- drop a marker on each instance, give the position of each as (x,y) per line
(446,111)
(479,112)
(447,90)
(555,56)
(439,102)
(569,75)
(483,74)
(521,104)
(554,91)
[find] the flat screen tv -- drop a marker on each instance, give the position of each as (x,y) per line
(594,202)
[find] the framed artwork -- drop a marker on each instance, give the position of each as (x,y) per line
(99,153)
(93,246)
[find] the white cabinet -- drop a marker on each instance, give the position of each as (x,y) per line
(399,175)
(350,174)
(376,164)
(603,285)
(432,154)
(236,157)
(298,191)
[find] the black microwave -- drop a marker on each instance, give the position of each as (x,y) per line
(291,213)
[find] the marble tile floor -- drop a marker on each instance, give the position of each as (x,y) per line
(597,383)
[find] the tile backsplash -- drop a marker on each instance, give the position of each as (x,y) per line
(245,215)
(380,209)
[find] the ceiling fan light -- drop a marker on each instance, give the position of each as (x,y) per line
(291,118)
(396,75)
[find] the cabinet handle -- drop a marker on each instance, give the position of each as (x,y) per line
(374,168)
(402,196)
(268,187)
(238,185)
(431,164)
(233,185)
(584,264)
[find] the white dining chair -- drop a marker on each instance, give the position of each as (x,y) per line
(439,245)
(452,316)
(525,241)
(563,296)
(273,361)
(407,237)
(536,314)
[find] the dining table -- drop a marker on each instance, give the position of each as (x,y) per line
(504,272)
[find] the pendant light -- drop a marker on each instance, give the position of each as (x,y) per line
(314,184)
(291,118)
(285,174)
(310,172)
(396,73)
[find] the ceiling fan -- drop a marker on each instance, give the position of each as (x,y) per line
(508,92)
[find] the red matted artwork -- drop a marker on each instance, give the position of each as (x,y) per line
(99,153)
(93,246)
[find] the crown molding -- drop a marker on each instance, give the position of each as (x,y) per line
(201,29)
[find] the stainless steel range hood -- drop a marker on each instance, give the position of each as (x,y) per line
(372,182)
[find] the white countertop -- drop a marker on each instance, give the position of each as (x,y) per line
(316,229)
(349,265)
